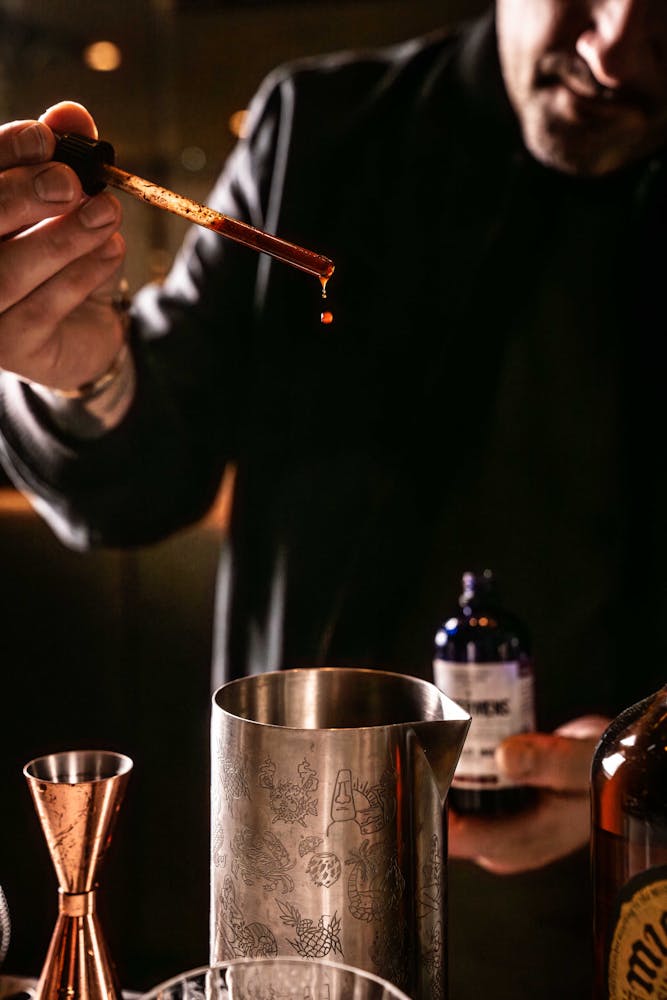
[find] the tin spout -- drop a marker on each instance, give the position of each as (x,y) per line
(442,743)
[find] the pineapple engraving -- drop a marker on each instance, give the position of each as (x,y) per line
(313,940)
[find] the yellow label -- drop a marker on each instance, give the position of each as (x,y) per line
(637,967)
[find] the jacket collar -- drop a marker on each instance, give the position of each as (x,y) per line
(466,92)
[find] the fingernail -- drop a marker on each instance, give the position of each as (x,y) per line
(97,212)
(515,760)
(29,143)
(54,183)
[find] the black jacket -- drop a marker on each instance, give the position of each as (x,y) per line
(368,474)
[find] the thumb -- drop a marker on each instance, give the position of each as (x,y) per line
(557,761)
(68,116)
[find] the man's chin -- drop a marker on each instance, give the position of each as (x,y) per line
(578,151)
(574,161)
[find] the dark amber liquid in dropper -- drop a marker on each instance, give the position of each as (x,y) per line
(202,215)
(94,162)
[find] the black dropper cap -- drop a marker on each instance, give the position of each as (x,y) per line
(86,157)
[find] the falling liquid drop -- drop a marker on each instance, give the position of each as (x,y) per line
(326,317)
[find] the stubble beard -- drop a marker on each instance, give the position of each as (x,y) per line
(574,148)
(573,124)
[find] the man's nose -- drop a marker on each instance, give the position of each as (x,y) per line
(620,44)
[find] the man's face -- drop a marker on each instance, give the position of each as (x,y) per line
(587,79)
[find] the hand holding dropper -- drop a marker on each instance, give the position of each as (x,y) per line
(94,162)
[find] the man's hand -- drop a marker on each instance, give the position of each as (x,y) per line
(557,824)
(60,255)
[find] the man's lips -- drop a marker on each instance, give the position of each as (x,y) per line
(579,102)
(589,89)
(574,76)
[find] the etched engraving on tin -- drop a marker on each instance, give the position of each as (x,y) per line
(342,800)
(313,940)
(324,868)
(388,952)
(429,900)
(309,844)
(429,895)
(367,791)
(375,883)
(219,859)
(432,959)
(372,807)
(260,857)
(241,939)
(290,801)
(233,778)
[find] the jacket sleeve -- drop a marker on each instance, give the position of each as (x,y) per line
(192,340)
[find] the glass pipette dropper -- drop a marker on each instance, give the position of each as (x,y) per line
(93,160)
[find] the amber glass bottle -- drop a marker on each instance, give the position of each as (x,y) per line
(629,854)
(482,661)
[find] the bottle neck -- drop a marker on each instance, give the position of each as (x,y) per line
(478,590)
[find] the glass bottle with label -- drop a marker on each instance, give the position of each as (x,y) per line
(482,661)
(629,854)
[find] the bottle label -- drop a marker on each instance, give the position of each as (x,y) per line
(637,962)
(499,697)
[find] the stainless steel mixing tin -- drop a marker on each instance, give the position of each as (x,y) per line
(327,835)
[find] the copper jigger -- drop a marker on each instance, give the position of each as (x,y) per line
(77,795)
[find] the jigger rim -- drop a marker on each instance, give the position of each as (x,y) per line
(286,960)
(87,766)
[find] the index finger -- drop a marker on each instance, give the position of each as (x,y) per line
(24,142)
(561,763)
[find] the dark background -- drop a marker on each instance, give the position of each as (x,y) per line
(112,649)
